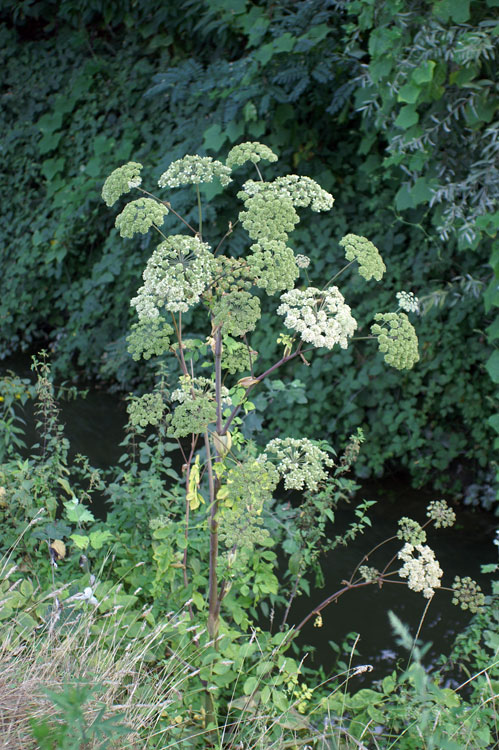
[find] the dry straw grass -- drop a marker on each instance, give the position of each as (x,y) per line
(127,686)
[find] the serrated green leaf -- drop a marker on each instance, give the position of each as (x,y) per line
(364,698)
(99,538)
(65,485)
(77,513)
(26,588)
(81,541)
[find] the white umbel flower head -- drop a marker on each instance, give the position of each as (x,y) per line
(408,301)
(322,318)
(300,462)
(177,273)
(422,571)
(194,169)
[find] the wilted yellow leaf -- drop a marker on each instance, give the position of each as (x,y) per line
(59,548)
(247,381)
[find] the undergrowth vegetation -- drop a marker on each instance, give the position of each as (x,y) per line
(99,652)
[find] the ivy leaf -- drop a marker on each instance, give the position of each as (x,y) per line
(409,93)
(449,9)
(424,73)
(407,117)
(492,366)
(214,138)
(403,198)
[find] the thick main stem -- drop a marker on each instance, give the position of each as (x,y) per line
(213,527)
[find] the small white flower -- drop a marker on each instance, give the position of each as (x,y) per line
(408,301)
(302,261)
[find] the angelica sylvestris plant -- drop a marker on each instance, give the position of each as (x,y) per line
(227,482)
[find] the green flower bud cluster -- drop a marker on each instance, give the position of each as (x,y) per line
(361,249)
(411,531)
(194,169)
(251,484)
(147,409)
(121,181)
(242,530)
(441,514)
(236,356)
(238,312)
(197,408)
(302,191)
(467,594)
(273,265)
(370,575)
(396,339)
(301,463)
(139,216)
(193,388)
(232,274)
(193,417)
(149,337)
(269,216)
(176,274)
(249,151)
(352,450)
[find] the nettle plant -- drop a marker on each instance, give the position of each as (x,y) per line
(229,483)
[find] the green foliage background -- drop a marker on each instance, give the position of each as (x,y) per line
(388,105)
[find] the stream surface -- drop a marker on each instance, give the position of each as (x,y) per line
(95,427)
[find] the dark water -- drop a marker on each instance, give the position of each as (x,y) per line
(460,550)
(95,427)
